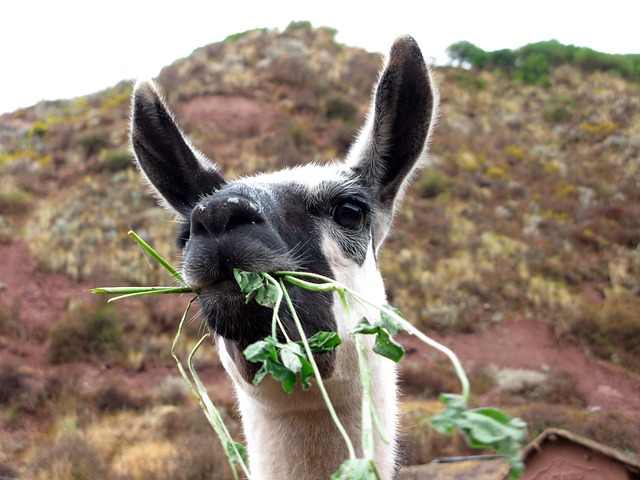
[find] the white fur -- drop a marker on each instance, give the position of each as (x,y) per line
(286,422)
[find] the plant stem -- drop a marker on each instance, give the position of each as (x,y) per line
(276,322)
(453,358)
(316,371)
(331,285)
(368,446)
(157,256)
(210,411)
(129,292)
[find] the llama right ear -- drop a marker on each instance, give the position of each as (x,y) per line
(179,174)
(394,140)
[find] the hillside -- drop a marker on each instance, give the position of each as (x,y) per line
(519,246)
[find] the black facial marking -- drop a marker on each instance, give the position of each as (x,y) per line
(256,229)
(346,210)
(183,234)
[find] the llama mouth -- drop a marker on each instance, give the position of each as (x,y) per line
(227,287)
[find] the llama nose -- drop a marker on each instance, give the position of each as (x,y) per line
(225,214)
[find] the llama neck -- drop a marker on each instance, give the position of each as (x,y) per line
(292,436)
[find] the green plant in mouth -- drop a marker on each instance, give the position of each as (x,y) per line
(290,362)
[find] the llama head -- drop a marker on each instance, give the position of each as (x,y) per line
(328,219)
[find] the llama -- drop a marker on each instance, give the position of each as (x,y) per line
(328,219)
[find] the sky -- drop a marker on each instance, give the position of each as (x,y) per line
(64,48)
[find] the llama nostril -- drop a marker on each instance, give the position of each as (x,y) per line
(224,214)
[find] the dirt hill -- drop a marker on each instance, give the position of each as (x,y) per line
(518,247)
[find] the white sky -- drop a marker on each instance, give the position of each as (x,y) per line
(52,49)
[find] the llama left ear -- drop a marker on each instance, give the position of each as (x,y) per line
(393,143)
(178,173)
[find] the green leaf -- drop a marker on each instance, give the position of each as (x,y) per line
(387,347)
(256,288)
(306,372)
(384,345)
(282,374)
(260,374)
(364,326)
(388,322)
(323,342)
(447,421)
(283,361)
(261,350)
(356,469)
(290,355)
(484,427)
(231,448)
(267,295)
(247,281)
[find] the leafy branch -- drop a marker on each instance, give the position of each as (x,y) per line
(481,427)
(290,362)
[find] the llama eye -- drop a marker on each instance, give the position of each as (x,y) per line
(349,215)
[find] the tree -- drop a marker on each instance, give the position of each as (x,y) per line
(535,69)
(466,53)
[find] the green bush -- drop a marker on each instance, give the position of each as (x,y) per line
(85,333)
(92,142)
(533,62)
(14,201)
(470,81)
(560,108)
(298,133)
(338,108)
(535,69)
(432,184)
(118,160)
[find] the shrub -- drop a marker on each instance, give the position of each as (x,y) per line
(92,142)
(298,25)
(10,383)
(38,129)
(610,332)
(470,81)
(426,382)
(338,108)
(432,184)
(298,133)
(560,108)
(14,201)
(200,459)
(112,398)
(172,391)
(293,71)
(68,458)
(514,153)
(561,388)
(116,160)
(7,472)
(84,333)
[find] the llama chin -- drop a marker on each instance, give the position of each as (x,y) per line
(326,219)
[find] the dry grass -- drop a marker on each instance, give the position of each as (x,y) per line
(89,331)
(615,430)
